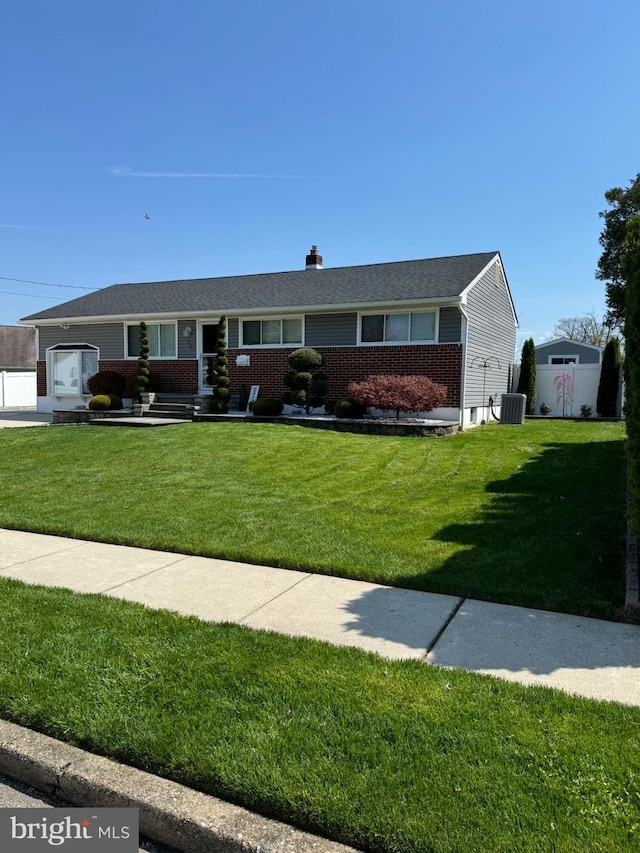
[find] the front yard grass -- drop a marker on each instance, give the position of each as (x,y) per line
(530,515)
(392,757)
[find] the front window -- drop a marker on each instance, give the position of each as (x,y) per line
(418,326)
(161,337)
(70,370)
(273,332)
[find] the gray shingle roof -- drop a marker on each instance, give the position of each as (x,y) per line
(432,278)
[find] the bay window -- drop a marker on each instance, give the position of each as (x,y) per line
(70,366)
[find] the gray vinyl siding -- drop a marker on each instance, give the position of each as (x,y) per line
(450,326)
(587,354)
(233,332)
(109,337)
(491,334)
(331,330)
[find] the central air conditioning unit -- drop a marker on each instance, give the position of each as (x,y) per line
(512,408)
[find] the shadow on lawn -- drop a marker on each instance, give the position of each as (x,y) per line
(550,537)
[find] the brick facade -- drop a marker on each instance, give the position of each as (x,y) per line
(41,378)
(442,363)
(177,376)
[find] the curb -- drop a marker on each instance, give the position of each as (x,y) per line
(170,813)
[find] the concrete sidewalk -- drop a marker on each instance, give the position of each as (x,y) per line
(588,657)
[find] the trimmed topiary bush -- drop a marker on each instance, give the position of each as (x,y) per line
(107,382)
(307,386)
(348,409)
(305,358)
(100,403)
(267,407)
(141,379)
(217,374)
(115,402)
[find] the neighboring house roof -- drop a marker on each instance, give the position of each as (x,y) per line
(570,342)
(407,281)
(17,347)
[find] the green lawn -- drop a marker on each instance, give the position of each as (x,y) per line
(530,515)
(386,756)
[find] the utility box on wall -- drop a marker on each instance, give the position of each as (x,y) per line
(512,408)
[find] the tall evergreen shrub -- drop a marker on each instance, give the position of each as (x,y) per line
(527,380)
(607,402)
(141,379)
(631,271)
(217,373)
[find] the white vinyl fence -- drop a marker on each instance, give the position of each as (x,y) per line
(18,389)
(565,396)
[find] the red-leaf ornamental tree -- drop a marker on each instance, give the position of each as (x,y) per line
(400,393)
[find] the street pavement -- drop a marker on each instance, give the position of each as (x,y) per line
(23,418)
(16,795)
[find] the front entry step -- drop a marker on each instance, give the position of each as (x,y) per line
(169,410)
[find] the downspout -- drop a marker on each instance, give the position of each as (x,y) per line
(463,376)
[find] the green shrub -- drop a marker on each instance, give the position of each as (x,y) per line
(307,386)
(585,411)
(100,403)
(141,381)
(107,382)
(267,406)
(305,359)
(330,406)
(607,403)
(319,388)
(349,409)
(115,402)
(302,379)
(527,380)
(217,373)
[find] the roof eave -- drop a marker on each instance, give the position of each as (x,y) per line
(238,312)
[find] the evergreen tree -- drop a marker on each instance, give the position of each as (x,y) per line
(607,402)
(631,274)
(624,205)
(527,380)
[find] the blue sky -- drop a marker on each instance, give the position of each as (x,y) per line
(380,131)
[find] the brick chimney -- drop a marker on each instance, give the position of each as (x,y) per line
(314,260)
